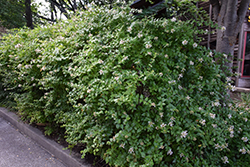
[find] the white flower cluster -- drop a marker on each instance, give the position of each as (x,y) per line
(170,152)
(223,146)
(18,46)
(203,122)
(225,159)
(231,130)
(122,145)
(245,139)
(243,150)
(148,46)
(173,19)
(216,103)
(185,42)
(184,134)
(131,150)
(212,115)
(195,45)
(172,82)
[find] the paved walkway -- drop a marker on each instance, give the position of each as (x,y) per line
(18,150)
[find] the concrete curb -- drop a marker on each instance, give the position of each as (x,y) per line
(50,145)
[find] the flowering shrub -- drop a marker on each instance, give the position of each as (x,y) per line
(136,92)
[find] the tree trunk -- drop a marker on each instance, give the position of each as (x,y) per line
(28,15)
(229,14)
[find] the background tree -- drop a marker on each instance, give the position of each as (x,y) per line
(66,7)
(12,13)
(18,13)
(229,15)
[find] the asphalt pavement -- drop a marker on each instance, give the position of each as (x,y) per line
(18,150)
(22,145)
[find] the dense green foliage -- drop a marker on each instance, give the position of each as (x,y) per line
(136,92)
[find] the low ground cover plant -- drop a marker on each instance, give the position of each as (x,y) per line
(137,92)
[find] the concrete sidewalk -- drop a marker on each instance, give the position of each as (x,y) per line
(24,146)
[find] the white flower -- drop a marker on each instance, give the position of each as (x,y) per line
(173,19)
(149,53)
(170,123)
(18,45)
(172,82)
(180,75)
(225,55)
(214,125)
(212,115)
(89,90)
(179,87)
(121,42)
(37,50)
(172,30)
(19,85)
(163,125)
(116,78)
(125,58)
(191,63)
(187,97)
(139,35)
(101,72)
(233,88)
(148,46)
(129,29)
(131,150)
(100,61)
(217,146)
(161,114)
(184,42)
(211,93)
(184,134)
(155,38)
(166,55)
(245,139)
(211,54)
(200,77)
(243,150)
(225,159)
(43,68)
(19,66)
(200,108)
(140,11)
(170,152)
(201,60)
(245,119)
(228,79)
(223,28)
(229,116)
(162,147)
(203,122)
(195,45)
(160,73)
(122,145)
(181,155)
(206,31)
(150,123)
(153,104)
(172,118)
(231,135)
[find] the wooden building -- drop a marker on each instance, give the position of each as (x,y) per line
(241,63)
